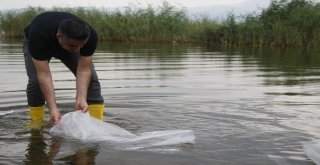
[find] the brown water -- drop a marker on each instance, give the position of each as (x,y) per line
(246,106)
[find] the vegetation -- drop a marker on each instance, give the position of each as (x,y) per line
(285,23)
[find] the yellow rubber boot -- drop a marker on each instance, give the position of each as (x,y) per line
(37,113)
(37,117)
(96,111)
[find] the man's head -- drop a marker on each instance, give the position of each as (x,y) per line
(73,34)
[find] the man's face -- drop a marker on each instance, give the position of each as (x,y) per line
(71,45)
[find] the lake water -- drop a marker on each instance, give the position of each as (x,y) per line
(246,106)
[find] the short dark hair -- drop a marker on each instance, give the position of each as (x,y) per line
(74,29)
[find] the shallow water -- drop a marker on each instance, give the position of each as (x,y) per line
(246,106)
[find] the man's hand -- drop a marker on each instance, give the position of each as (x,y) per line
(55,117)
(81,105)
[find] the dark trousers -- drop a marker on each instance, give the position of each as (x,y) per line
(34,93)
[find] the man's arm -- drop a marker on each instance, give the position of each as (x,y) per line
(46,85)
(83,81)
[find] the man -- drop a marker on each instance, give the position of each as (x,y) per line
(66,37)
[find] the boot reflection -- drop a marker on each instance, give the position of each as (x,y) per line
(36,151)
(46,150)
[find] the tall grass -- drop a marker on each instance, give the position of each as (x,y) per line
(285,23)
(12,23)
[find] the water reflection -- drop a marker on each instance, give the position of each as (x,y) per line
(289,67)
(246,105)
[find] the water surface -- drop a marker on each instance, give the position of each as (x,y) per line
(246,106)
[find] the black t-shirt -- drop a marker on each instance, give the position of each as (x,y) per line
(43,43)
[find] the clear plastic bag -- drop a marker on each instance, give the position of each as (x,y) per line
(312,150)
(82,126)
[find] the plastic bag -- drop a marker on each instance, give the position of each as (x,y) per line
(312,150)
(82,126)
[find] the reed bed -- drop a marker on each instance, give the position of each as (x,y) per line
(285,23)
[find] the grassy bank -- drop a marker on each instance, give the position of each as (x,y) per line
(284,23)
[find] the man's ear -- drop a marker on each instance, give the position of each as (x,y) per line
(58,35)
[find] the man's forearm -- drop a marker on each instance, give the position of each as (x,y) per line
(46,84)
(47,89)
(83,79)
